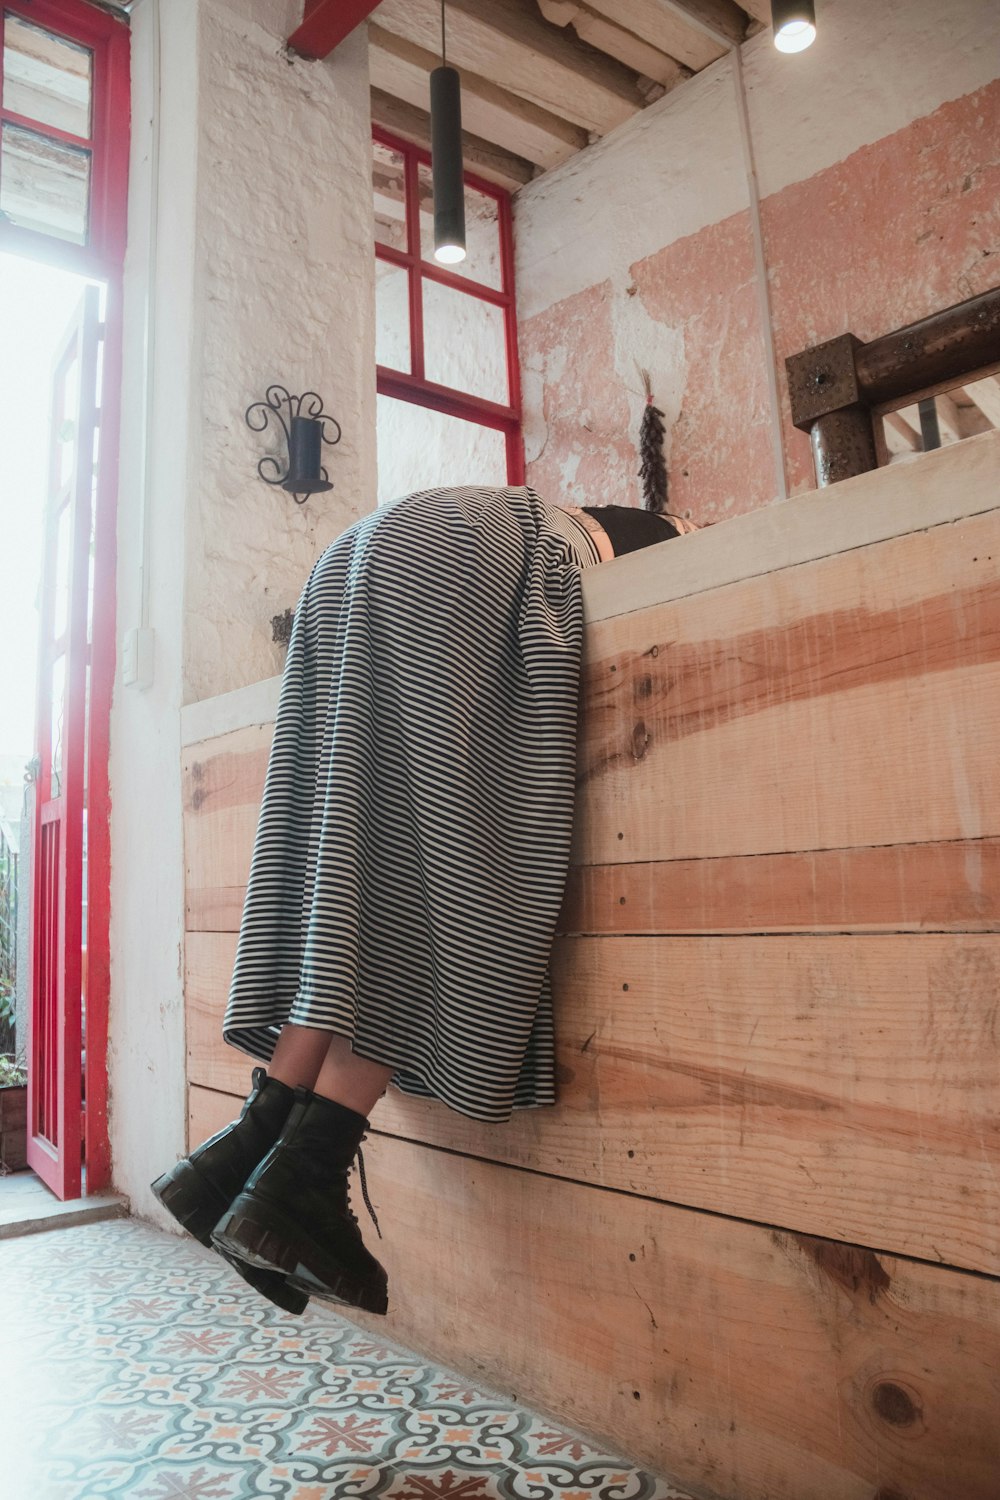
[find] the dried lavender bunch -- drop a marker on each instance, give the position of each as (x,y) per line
(653,469)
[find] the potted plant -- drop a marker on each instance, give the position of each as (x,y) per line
(13,1115)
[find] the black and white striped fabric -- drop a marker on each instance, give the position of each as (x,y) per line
(413,840)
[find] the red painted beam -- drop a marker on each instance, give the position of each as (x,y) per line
(326,23)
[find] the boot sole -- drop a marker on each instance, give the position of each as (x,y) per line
(183,1192)
(304,1281)
(261,1234)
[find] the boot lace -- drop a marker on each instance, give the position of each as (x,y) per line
(364,1193)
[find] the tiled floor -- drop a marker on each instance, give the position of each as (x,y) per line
(136,1363)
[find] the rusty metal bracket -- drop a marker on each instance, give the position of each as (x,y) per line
(835,387)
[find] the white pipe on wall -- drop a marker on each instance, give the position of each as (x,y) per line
(763,286)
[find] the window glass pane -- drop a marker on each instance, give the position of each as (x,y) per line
(420,449)
(392,316)
(57,706)
(65,433)
(46,77)
(482,233)
(389,194)
(464,343)
(62,578)
(44,184)
(90,549)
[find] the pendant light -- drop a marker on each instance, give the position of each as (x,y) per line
(446,160)
(794,23)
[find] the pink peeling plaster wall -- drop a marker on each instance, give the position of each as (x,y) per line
(898,229)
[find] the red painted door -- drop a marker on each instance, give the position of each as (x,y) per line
(57,921)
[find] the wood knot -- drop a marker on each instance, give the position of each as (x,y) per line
(640,740)
(853,1267)
(894,1405)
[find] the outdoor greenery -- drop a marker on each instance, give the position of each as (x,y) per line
(8,943)
(11,1073)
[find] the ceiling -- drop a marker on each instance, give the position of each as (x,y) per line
(542,79)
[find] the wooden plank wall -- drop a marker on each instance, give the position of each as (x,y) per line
(757,1242)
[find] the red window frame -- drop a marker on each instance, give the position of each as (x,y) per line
(107,38)
(413,385)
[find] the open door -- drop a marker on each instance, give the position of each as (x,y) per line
(57,920)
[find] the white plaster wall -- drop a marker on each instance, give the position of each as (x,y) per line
(284,292)
(146,1096)
(678,165)
(263,271)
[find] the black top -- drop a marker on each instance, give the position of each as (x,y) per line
(630,528)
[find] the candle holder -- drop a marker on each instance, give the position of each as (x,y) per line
(306,428)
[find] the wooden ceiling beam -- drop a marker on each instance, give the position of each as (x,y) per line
(481,157)
(720,20)
(760,10)
(660,24)
(326,23)
(595,29)
(508,42)
(401,68)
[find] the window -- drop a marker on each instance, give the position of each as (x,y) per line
(64,71)
(449,402)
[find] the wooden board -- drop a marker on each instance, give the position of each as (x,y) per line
(945,485)
(951,886)
(840,1086)
(850,701)
(400,68)
(508,42)
(479,156)
(222,783)
(748,1361)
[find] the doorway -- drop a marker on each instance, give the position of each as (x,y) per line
(64,118)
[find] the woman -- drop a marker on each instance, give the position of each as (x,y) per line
(409,864)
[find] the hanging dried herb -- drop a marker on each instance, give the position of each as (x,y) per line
(653,470)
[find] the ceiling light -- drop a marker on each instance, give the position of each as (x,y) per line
(446,161)
(794,23)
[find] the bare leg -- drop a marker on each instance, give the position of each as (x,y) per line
(353,1081)
(298,1055)
(323,1061)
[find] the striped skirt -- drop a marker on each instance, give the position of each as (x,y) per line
(413,841)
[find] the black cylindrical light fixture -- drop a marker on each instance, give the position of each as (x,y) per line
(446,166)
(794,23)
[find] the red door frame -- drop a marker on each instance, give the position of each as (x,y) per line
(412,385)
(101,258)
(56,904)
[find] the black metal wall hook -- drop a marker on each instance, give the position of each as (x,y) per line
(306,427)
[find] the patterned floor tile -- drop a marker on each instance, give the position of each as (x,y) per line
(138,1366)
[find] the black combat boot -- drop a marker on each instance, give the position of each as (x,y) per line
(293,1214)
(199,1189)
